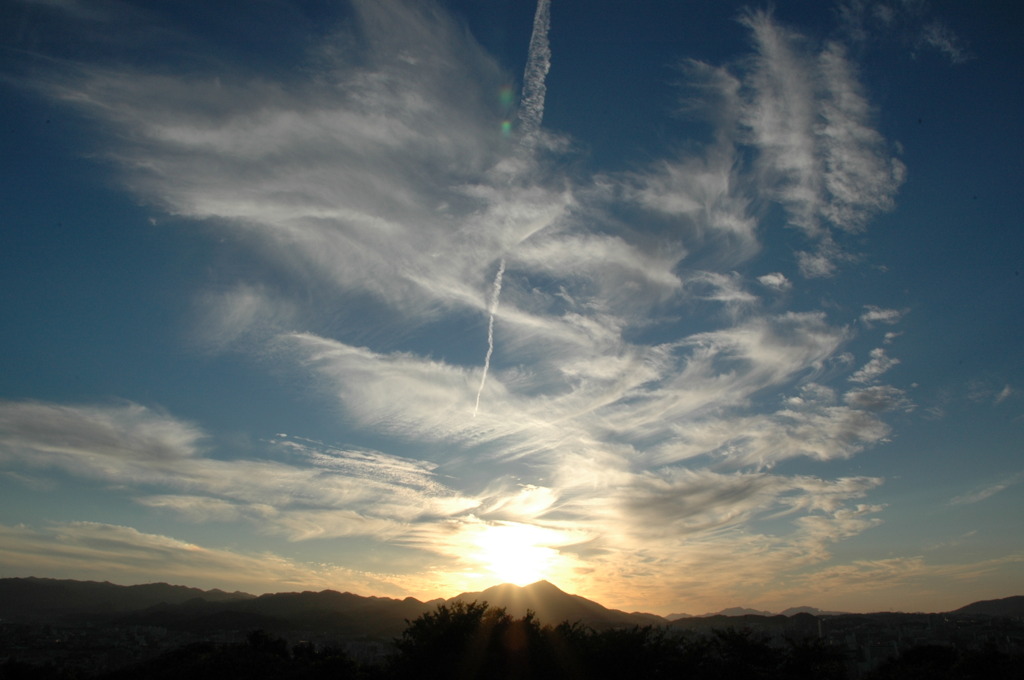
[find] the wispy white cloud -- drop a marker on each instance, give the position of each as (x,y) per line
(725,288)
(678,502)
(873,314)
(123,554)
(939,584)
(595,510)
(987,390)
(880,363)
(706,196)
(911,23)
(775,281)
(811,123)
(807,119)
(860,174)
(362,174)
(619,391)
(811,425)
(986,492)
(42,433)
(939,36)
(822,262)
(90,11)
(241,316)
(877,398)
(663,566)
(890,336)
(133,446)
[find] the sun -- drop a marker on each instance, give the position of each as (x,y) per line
(515,553)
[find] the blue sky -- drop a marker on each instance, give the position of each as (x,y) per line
(678,305)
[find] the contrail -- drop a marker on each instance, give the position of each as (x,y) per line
(538,61)
(492,308)
(531,111)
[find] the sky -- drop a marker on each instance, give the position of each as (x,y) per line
(677,305)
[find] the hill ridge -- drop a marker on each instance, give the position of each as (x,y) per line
(48,599)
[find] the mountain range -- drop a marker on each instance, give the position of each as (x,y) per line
(552,605)
(39,600)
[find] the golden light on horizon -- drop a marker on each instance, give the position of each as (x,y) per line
(516,553)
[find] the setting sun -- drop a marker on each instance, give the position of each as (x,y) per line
(516,553)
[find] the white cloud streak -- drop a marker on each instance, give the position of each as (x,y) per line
(880,363)
(538,62)
(355,492)
(986,492)
(907,22)
(938,35)
(99,551)
(775,281)
(873,314)
(492,309)
(819,156)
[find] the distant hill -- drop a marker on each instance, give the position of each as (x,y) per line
(40,600)
(553,606)
(744,611)
(44,599)
(740,611)
(1007,606)
(802,623)
(814,611)
(192,609)
(329,611)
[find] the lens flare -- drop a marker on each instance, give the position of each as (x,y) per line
(506,96)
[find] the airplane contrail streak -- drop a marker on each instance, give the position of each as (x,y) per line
(538,61)
(531,112)
(492,308)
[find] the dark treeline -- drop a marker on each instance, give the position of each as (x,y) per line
(473,641)
(470,641)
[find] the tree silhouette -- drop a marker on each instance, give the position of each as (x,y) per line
(813,659)
(262,657)
(626,652)
(468,641)
(471,640)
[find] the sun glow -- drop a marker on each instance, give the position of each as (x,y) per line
(516,553)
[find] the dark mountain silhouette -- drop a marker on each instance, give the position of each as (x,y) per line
(740,611)
(43,599)
(1007,606)
(39,600)
(809,610)
(745,611)
(675,617)
(723,621)
(552,606)
(182,608)
(330,611)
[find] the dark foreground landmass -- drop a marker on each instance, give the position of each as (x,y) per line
(79,630)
